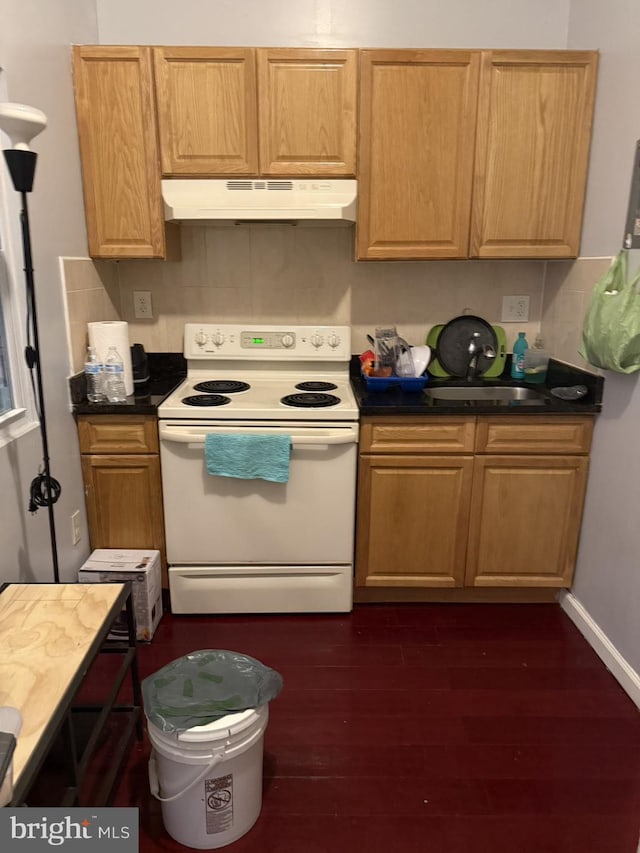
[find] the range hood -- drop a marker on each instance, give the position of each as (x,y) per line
(314,201)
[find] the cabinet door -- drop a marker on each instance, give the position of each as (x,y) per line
(307,111)
(124,501)
(119,152)
(534,128)
(413,515)
(525,520)
(207,116)
(416,148)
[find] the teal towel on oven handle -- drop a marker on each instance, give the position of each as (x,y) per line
(248,456)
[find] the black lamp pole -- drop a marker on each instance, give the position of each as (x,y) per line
(22,166)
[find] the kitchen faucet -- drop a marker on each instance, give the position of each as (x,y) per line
(476,349)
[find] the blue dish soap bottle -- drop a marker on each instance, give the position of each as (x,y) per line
(517,360)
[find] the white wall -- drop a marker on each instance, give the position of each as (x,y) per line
(337,23)
(607,580)
(614,28)
(35,62)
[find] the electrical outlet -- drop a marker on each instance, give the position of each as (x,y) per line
(515,309)
(75,527)
(142,307)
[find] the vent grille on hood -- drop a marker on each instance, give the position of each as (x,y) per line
(219,200)
(260,185)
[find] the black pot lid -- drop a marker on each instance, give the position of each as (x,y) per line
(453,344)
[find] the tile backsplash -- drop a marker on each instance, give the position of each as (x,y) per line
(92,293)
(279,273)
(567,292)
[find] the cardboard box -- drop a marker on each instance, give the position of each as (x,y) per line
(142,567)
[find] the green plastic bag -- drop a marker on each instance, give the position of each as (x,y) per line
(611,331)
(206,685)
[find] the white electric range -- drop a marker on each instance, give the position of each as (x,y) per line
(253,546)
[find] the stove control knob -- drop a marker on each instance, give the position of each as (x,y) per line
(316,340)
(218,339)
(333,340)
(200,338)
(287,341)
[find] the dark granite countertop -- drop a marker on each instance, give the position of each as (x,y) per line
(166,370)
(395,402)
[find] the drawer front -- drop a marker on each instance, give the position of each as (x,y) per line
(561,434)
(118,434)
(417,435)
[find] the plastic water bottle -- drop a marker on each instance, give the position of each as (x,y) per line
(94,376)
(114,377)
(517,360)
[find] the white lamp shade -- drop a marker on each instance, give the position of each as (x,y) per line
(21,123)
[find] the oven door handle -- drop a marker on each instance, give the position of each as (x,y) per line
(310,436)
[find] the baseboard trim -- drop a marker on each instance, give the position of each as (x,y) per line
(621,670)
(475,594)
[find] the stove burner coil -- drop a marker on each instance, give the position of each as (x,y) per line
(316,386)
(221,386)
(206,400)
(310,401)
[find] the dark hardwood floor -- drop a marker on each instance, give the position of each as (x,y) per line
(441,728)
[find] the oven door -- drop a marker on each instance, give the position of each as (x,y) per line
(225,521)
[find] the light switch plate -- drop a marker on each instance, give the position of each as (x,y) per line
(515,309)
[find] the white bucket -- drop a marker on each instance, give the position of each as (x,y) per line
(209,778)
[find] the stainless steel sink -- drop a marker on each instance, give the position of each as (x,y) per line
(489,392)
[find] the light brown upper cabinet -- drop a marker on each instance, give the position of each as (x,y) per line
(460,153)
(207,120)
(534,128)
(416,148)
(473,153)
(307,111)
(119,152)
(248,111)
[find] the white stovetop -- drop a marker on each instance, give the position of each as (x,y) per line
(272,360)
(263,399)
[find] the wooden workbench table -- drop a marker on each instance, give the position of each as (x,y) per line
(49,636)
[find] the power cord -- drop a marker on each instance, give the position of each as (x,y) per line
(39,494)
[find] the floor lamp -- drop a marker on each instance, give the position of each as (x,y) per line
(21,123)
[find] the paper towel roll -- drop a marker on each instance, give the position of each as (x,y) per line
(113,333)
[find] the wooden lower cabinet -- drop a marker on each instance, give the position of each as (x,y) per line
(525,520)
(469,524)
(123,501)
(122,482)
(413,514)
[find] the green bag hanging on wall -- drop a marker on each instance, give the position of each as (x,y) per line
(611,331)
